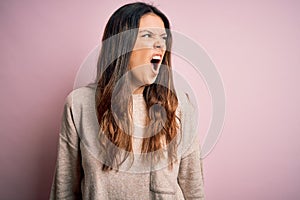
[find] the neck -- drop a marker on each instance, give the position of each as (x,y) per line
(139,90)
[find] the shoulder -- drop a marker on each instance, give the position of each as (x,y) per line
(82,92)
(81,96)
(186,105)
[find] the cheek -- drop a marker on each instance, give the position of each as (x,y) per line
(142,44)
(138,58)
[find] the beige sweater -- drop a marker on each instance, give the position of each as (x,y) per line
(78,173)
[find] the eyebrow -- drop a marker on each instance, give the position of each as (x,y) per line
(151,32)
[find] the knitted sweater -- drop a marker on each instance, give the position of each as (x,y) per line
(79,174)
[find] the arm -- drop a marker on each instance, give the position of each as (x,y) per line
(190,175)
(67,178)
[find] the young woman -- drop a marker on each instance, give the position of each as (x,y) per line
(130,135)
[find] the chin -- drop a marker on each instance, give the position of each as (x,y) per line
(150,81)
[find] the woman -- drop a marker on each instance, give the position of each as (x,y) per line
(130,135)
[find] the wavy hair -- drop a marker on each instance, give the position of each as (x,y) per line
(114,105)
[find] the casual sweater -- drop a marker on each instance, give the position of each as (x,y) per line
(79,173)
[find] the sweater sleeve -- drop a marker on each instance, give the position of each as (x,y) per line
(67,177)
(190,175)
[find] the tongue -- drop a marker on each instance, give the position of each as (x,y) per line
(155,65)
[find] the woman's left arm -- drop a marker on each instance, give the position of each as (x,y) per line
(190,177)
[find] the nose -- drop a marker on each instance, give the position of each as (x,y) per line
(159,44)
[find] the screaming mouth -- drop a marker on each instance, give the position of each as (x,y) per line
(154,61)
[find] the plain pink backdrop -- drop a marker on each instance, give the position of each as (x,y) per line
(254,44)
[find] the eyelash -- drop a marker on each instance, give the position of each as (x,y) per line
(148,35)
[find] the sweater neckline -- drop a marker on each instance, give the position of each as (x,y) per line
(137,96)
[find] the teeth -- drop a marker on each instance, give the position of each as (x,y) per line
(156,57)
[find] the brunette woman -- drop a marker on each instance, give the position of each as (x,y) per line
(130,135)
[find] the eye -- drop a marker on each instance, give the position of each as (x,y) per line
(147,35)
(164,37)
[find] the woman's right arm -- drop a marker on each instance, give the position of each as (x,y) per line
(68,172)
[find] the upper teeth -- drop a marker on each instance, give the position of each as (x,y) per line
(156,57)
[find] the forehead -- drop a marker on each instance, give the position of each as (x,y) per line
(151,21)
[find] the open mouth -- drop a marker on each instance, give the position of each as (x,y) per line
(155,61)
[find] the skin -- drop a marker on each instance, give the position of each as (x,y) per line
(151,40)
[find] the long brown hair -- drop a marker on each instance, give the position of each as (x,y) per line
(113,102)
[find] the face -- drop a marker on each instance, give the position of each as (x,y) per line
(148,52)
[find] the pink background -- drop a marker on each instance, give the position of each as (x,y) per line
(255,46)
